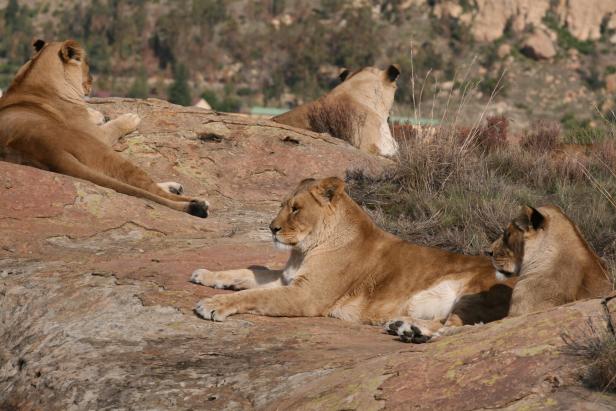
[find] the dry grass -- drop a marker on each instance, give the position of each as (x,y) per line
(338,120)
(597,345)
(459,189)
(543,136)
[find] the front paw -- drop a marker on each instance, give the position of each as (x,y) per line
(200,277)
(96,117)
(214,309)
(208,278)
(408,333)
(128,122)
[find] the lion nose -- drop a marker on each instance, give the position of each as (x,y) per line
(274,228)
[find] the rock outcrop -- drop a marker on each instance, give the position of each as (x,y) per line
(539,46)
(96,307)
(610,83)
(488,19)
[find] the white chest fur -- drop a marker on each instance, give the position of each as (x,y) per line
(387,144)
(292,267)
(436,302)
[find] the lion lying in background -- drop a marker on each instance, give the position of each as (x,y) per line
(342,265)
(356,110)
(554,263)
(45,121)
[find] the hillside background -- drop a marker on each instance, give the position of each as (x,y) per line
(546,59)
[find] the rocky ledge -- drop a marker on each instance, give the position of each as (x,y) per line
(96,307)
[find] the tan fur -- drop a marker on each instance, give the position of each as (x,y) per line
(342,265)
(554,263)
(364,100)
(45,121)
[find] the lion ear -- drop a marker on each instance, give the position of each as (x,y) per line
(393,72)
(71,50)
(530,218)
(38,45)
(327,190)
(344,74)
(304,184)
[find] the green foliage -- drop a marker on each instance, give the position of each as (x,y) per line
(179,91)
(17,33)
(571,122)
(361,29)
(592,78)
(416,67)
(11,12)
(209,12)
(566,40)
(493,84)
(229,103)
(489,54)
(278,7)
(580,131)
(306,46)
(139,88)
(460,37)
(332,6)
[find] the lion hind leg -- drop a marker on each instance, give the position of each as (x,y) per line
(69,165)
(117,167)
(412,330)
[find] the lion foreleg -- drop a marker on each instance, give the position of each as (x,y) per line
(291,301)
(241,279)
(96,117)
(118,127)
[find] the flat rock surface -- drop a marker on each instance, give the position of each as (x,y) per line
(96,307)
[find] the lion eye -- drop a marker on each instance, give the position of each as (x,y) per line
(295,210)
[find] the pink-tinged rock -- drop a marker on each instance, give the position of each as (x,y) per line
(96,307)
(539,46)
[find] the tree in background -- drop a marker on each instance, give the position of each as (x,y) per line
(16,35)
(139,88)
(179,92)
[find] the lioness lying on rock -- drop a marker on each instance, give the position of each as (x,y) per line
(46,121)
(554,263)
(356,110)
(342,265)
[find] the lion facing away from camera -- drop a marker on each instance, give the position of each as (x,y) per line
(356,110)
(46,123)
(554,263)
(342,265)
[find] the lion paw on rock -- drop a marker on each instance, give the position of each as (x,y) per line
(128,122)
(407,332)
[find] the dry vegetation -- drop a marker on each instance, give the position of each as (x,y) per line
(458,188)
(597,345)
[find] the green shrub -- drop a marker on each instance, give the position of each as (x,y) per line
(566,40)
(179,92)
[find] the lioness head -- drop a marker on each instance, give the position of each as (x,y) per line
(373,86)
(303,215)
(62,66)
(508,250)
